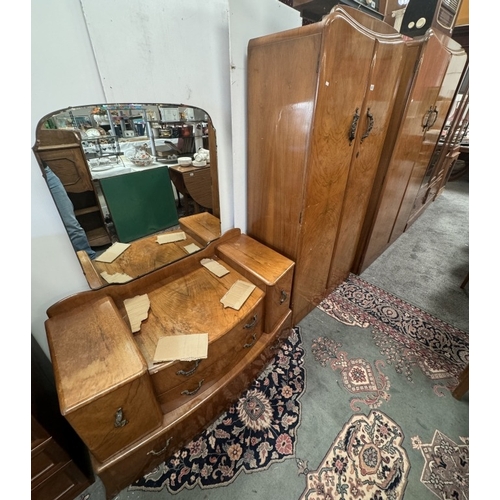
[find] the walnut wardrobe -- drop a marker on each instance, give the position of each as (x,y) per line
(326,103)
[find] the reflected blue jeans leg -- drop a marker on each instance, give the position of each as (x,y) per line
(65,207)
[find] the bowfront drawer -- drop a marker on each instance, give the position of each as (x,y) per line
(185,422)
(179,381)
(102,380)
(269,270)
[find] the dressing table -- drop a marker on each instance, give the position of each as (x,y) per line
(133,413)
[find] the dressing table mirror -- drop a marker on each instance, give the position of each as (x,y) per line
(119,166)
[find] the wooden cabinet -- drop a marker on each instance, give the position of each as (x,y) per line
(432,72)
(320,99)
(62,151)
(133,413)
(53,474)
(60,466)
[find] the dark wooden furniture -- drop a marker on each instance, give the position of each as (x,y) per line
(133,413)
(194,183)
(463,384)
(315,137)
(314,10)
(62,151)
(60,465)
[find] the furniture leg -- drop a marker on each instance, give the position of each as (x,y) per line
(463,384)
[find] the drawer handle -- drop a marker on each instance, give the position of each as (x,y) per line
(190,393)
(252,323)
(156,453)
(119,420)
(283,296)
(254,338)
(189,372)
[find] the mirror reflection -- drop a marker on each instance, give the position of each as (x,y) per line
(135,184)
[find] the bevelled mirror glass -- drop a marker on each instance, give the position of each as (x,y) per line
(135,184)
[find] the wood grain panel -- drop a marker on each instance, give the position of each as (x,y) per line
(382,86)
(406,144)
(185,422)
(433,67)
(341,92)
(280,102)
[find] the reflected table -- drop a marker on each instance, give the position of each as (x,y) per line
(193,183)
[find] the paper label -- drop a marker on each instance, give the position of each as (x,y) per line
(114,251)
(214,267)
(236,296)
(192,248)
(181,347)
(116,277)
(171,237)
(137,310)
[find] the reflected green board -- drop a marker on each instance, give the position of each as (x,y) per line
(140,203)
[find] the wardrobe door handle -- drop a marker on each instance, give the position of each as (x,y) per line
(434,114)
(283,296)
(426,123)
(425,119)
(369,126)
(354,126)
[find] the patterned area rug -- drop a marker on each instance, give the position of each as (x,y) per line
(446,470)
(258,430)
(405,335)
(359,377)
(366,460)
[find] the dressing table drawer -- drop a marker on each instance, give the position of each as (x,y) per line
(269,270)
(105,391)
(186,422)
(181,380)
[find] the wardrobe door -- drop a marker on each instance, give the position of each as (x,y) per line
(375,115)
(446,73)
(426,180)
(408,131)
(282,80)
(346,58)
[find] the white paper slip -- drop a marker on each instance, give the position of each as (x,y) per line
(137,310)
(181,347)
(213,266)
(191,248)
(114,251)
(116,277)
(171,237)
(236,296)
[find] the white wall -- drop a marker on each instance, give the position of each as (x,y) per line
(180,51)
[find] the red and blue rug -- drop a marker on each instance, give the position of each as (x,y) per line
(406,336)
(258,430)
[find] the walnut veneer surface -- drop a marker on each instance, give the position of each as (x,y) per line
(146,254)
(338,151)
(133,413)
(315,137)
